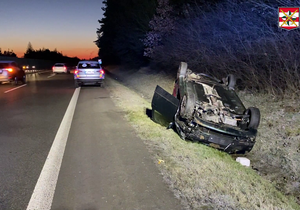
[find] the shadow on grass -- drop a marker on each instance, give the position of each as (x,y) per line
(159,119)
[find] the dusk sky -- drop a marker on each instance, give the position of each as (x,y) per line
(66,25)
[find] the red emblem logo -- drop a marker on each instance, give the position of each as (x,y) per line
(288,17)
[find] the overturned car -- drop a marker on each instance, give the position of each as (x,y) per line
(205,109)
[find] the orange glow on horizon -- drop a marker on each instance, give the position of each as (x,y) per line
(51,25)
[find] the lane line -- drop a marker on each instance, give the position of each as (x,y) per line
(52,75)
(15,88)
(42,196)
(43,72)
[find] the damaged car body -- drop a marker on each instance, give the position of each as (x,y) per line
(207,110)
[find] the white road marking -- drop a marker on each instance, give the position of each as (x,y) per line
(15,88)
(43,72)
(43,193)
(52,75)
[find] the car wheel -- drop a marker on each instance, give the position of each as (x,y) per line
(16,81)
(230,81)
(182,69)
(76,84)
(254,117)
(24,80)
(187,106)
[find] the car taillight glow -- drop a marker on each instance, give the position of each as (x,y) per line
(10,70)
(53,68)
(65,68)
(101,71)
(76,71)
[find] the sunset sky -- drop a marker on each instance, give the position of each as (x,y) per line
(66,25)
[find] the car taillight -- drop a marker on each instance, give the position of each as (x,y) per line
(53,68)
(101,71)
(65,68)
(10,70)
(76,71)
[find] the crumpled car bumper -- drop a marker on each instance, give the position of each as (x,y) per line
(237,144)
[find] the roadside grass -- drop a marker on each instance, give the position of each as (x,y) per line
(276,154)
(200,176)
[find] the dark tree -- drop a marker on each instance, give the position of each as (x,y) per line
(122,29)
(8,53)
(29,48)
(161,26)
(46,54)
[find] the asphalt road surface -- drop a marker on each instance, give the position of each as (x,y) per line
(67,148)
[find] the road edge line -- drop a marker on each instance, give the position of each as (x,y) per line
(43,193)
(15,88)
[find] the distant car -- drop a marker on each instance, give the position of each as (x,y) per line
(27,67)
(207,110)
(11,71)
(88,72)
(60,68)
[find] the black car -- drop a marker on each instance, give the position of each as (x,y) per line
(205,109)
(12,72)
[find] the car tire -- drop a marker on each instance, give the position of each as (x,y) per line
(76,84)
(187,106)
(15,81)
(24,80)
(231,81)
(254,117)
(182,69)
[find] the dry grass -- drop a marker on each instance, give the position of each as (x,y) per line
(276,155)
(202,177)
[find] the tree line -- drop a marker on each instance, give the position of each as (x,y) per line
(46,54)
(43,54)
(8,53)
(216,37)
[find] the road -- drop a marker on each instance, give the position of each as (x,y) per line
(97,163)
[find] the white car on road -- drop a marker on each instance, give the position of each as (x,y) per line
(60,68)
